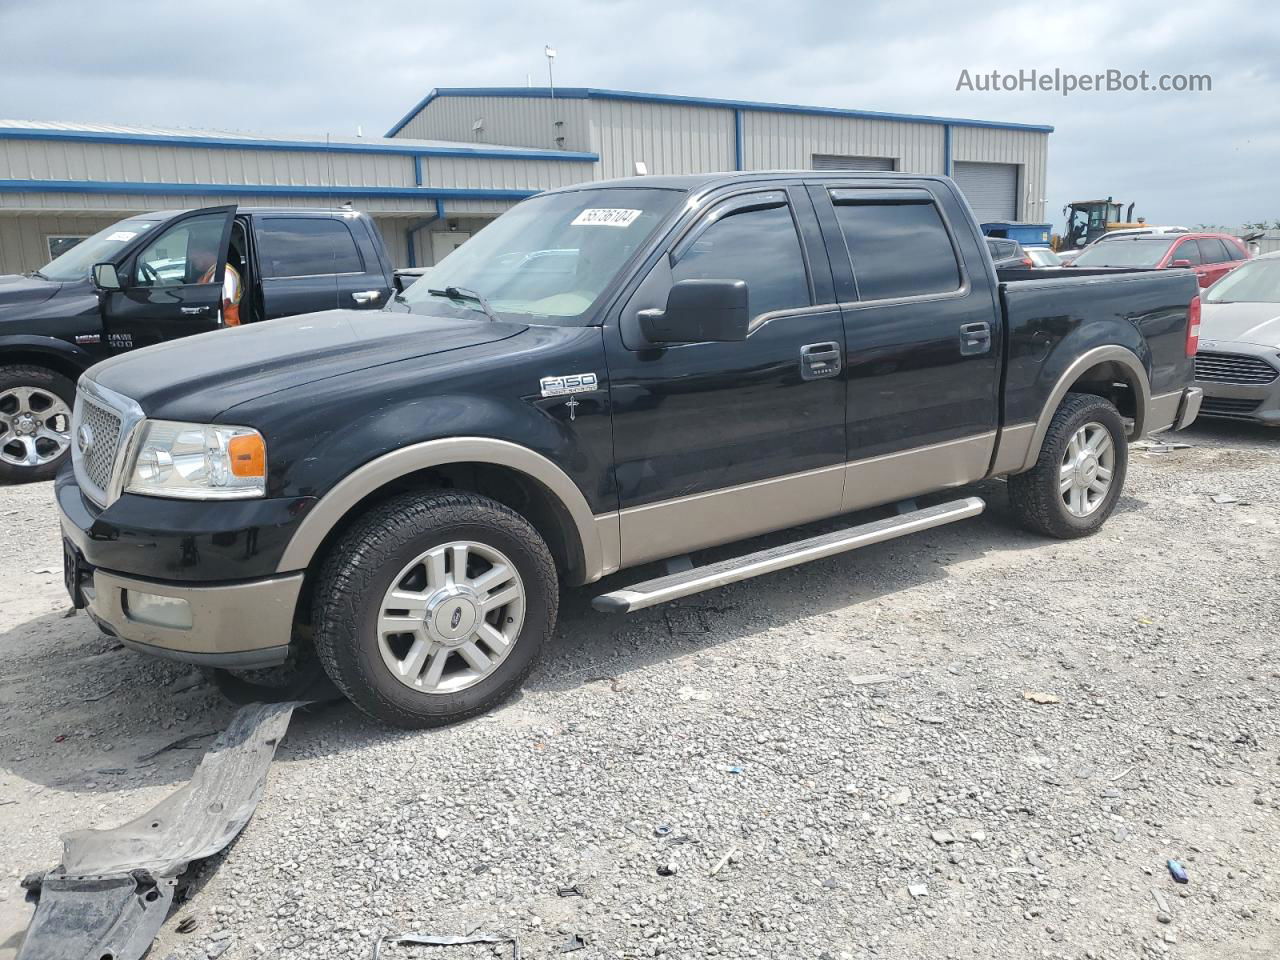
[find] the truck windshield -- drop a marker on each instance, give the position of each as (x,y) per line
(76,263)
(1135,252)
(549,258)
(1256,282)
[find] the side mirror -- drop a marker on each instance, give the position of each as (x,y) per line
(700,311)
(1180,263)
(105,277)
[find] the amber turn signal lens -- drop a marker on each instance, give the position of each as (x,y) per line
(248,456)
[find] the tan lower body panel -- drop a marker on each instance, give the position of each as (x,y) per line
(908,473)
(1163,412)
(673,527)
(225,619)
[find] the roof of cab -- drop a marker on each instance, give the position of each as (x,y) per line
(692,182)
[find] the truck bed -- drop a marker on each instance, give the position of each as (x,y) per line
(1052,317)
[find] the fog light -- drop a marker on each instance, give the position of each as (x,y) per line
(158,611)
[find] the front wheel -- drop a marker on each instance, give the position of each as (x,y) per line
(1078,477)
(35,423)
(434,607)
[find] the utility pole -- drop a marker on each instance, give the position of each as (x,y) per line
(550,53)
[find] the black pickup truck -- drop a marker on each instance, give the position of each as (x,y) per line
(165,281)
(608,375)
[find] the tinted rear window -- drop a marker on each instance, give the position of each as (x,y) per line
(306,247)
(898,249)
(1138,252)
(1212,250)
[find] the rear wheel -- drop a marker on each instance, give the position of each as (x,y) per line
(1077,480)
(35,423)
(434,607)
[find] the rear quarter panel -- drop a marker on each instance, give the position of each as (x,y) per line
(1053,321)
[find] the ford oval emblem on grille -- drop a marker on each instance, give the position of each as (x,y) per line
(84,438)
(455,619)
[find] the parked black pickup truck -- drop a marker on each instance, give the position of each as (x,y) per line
(608,375)
(165,281)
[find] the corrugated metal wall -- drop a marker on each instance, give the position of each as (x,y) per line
(23,240)
(511,121)
(126,203)
(515,174)
(155,163)
(1027,148)
(788,141)
(668,138)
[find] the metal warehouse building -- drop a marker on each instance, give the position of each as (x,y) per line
(462,156)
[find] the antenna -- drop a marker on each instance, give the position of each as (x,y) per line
(328,158)
(550,53)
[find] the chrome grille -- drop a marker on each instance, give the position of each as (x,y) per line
(102,427)
(101,456)
(1233,368)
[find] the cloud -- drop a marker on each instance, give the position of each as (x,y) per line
(323,66)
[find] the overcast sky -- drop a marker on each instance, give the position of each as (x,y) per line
(285,66)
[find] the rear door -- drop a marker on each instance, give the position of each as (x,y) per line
(362,285)
(718,441)
(921,340)
(172,286)
(299,259)
(1215,262)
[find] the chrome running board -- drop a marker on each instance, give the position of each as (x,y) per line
(713,575)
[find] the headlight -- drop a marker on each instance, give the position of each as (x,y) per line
(199,461)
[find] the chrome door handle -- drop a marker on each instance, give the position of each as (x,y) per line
(194,311)
(975,338)
(819,360)
(367,296)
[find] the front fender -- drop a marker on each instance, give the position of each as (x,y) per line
(68,355)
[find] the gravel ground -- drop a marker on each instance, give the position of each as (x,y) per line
(835,761)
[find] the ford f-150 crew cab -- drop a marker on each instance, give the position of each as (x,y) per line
(608,375)
(165,274)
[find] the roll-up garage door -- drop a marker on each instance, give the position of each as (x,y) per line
(831,161)
(990,188)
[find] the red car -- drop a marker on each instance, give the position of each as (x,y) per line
(1211,255)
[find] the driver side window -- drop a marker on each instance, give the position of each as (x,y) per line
(758,246)
(184,254)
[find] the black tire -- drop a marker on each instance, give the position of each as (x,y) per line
(1035,495)
(24,375)
(359,570)
(301,678)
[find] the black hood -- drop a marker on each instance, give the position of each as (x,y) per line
(15,289)
(213,371)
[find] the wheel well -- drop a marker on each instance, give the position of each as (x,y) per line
(10,357)
(523,494)
(1112,381)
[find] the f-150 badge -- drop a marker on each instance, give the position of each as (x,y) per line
(569,383)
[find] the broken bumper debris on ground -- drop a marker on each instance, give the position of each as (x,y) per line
(970,743)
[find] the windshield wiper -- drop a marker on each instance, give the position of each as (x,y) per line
(37,273)
(463,293)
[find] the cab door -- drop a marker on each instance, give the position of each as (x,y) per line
(716,441)
(172,286)
(1215,262)
(922,339)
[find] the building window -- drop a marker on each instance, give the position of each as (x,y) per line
(61,243)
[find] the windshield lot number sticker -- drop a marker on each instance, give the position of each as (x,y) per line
(569,383)
(605,217)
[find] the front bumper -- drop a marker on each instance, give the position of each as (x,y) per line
(1254,402)
(190,581)
(235,625)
